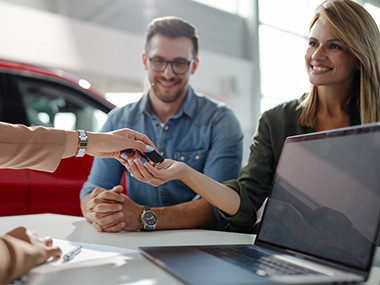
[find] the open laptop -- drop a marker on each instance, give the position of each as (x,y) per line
(319,225)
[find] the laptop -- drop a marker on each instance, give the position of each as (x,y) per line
(319,225)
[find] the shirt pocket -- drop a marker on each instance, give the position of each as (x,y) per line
(194,158)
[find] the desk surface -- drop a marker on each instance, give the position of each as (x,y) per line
(132,268)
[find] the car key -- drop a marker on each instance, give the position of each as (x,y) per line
(153,156)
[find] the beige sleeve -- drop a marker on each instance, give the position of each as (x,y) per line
(36,148)
(17,258)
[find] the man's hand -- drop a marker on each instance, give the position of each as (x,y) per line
(128,219)
(103,209)
(131,215)
(112,211)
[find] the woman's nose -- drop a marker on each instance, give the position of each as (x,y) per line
(319,53)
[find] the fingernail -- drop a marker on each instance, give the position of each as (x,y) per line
(149,148)
(123,155)
(122,160)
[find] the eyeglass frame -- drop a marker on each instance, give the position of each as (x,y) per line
(189,62)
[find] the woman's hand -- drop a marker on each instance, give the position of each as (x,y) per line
(112,143)
(44,246)
(212,191)
(155,175)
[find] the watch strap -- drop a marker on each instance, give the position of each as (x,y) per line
(146,226)
(82,143)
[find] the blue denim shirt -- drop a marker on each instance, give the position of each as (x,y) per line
(205,134)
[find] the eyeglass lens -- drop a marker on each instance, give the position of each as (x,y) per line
(178,66)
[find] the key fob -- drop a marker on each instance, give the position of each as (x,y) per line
(153,156)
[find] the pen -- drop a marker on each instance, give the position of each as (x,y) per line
(71,254)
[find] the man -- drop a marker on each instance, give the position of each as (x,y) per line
(184,126)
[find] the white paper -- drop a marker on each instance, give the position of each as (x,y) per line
(89,251)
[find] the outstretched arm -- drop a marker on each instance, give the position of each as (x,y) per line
(108,145)
(43,148)
(111,211)
(212,191)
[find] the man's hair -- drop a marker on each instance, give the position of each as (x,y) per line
(358,31)
(172,27)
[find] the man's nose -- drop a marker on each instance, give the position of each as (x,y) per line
(168,71)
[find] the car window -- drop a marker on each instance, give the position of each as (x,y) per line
(11,110)
(54,105)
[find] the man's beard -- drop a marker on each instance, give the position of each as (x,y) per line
(164,98)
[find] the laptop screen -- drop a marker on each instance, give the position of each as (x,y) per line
(325,198)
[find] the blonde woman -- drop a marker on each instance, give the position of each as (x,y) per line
(343,65)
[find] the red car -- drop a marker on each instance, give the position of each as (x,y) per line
(33,95)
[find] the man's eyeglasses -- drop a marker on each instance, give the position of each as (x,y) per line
(179,66)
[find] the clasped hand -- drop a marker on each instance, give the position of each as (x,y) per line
(112,211)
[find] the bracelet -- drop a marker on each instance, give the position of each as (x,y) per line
(82,143)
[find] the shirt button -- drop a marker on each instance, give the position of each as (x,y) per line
(162,153)
(197,157)
(157,124)
(166,128)
(182,158)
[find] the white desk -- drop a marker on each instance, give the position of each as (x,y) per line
(127,269)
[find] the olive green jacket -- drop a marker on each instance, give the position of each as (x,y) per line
(255,179)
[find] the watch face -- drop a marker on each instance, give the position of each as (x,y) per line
(150,218)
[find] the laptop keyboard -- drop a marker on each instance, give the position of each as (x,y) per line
(259,262)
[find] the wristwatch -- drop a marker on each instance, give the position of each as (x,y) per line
(82,143)
(148,219)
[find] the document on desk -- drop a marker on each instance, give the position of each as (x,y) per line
(86,251)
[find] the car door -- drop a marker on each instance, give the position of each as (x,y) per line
(13,183)
(61,106)
(14,192)
(51,102)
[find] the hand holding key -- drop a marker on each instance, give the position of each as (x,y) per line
(153,157)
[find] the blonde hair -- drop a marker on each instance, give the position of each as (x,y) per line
(355,27)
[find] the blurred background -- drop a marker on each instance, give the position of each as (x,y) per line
(251,51)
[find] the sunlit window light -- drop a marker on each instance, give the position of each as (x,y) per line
(230,6)
(374,11)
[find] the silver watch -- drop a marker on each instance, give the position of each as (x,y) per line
(82,143)
(148,219)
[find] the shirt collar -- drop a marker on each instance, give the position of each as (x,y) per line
(188,107)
